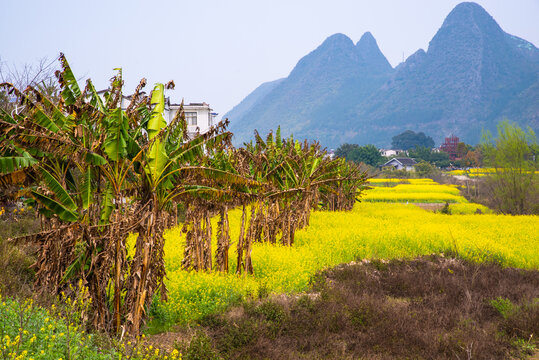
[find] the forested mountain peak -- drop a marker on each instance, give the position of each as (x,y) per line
(472,75)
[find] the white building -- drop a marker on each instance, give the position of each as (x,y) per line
(199,116)
(391,152)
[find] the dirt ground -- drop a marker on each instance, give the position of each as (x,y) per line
(430,206)
(433,307)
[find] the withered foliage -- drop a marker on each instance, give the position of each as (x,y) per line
(431,307)
(98,172)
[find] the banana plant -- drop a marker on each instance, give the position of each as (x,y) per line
(97,172)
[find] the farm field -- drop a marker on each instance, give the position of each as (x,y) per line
(476,172)
(430,307)
(412,190)
(372,230)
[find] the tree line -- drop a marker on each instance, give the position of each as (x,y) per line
(415,145)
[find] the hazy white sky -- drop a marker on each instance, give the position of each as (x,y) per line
(218,51)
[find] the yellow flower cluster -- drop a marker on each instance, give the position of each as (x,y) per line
(426,193)
(469,208)
(15,211)
(28,332)
(138,350)
(377,181)
(475,172)
(370,230)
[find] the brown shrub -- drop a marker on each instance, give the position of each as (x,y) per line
(428,308)
(16,277)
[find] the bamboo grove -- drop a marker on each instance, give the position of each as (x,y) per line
(98,172)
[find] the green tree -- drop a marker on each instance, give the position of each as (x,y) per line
(367,154)
(463,149)
(425,169)
(344,150)
(409,139)
(438,158)
(513,186)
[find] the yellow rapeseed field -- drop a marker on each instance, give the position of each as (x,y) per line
(420,191)
(469,208)
(476,172)
(382,181)
(473,172)
(370,230)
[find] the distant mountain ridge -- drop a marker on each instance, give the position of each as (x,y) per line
(472,75)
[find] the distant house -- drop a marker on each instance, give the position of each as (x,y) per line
(331,154)
(391,152)
(199,116)
(400,164)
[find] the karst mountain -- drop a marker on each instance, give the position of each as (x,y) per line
(472,75)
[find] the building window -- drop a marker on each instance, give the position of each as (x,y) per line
(191,118)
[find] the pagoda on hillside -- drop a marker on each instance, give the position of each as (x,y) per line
(450,146)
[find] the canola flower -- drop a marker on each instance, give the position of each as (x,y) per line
(431,188)
(468,209)
(28,332)
(384,181)
(370,230)
(473,172)
(420,191)
(418,197)
(42,336)
(407,181)
(478,172)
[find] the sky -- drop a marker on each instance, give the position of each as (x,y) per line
(218,51)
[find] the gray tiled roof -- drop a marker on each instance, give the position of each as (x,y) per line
(403,161)
(407,161)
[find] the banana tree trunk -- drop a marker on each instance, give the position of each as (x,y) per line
(248,245)
(207,254)
(189,251)
(266,216)
(223,240)
(291,229)
(239,263)
(118,271)
(148,268)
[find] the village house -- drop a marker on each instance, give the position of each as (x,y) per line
(199,116)
(400,164)
(392,152)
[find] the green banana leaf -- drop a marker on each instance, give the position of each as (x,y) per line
(13,163)
(55,207)
(61,194)
(71,90)
(95,159)
(45,121)
(156,158)
(107,205)
(95,99)
(115,145)
(58,116)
